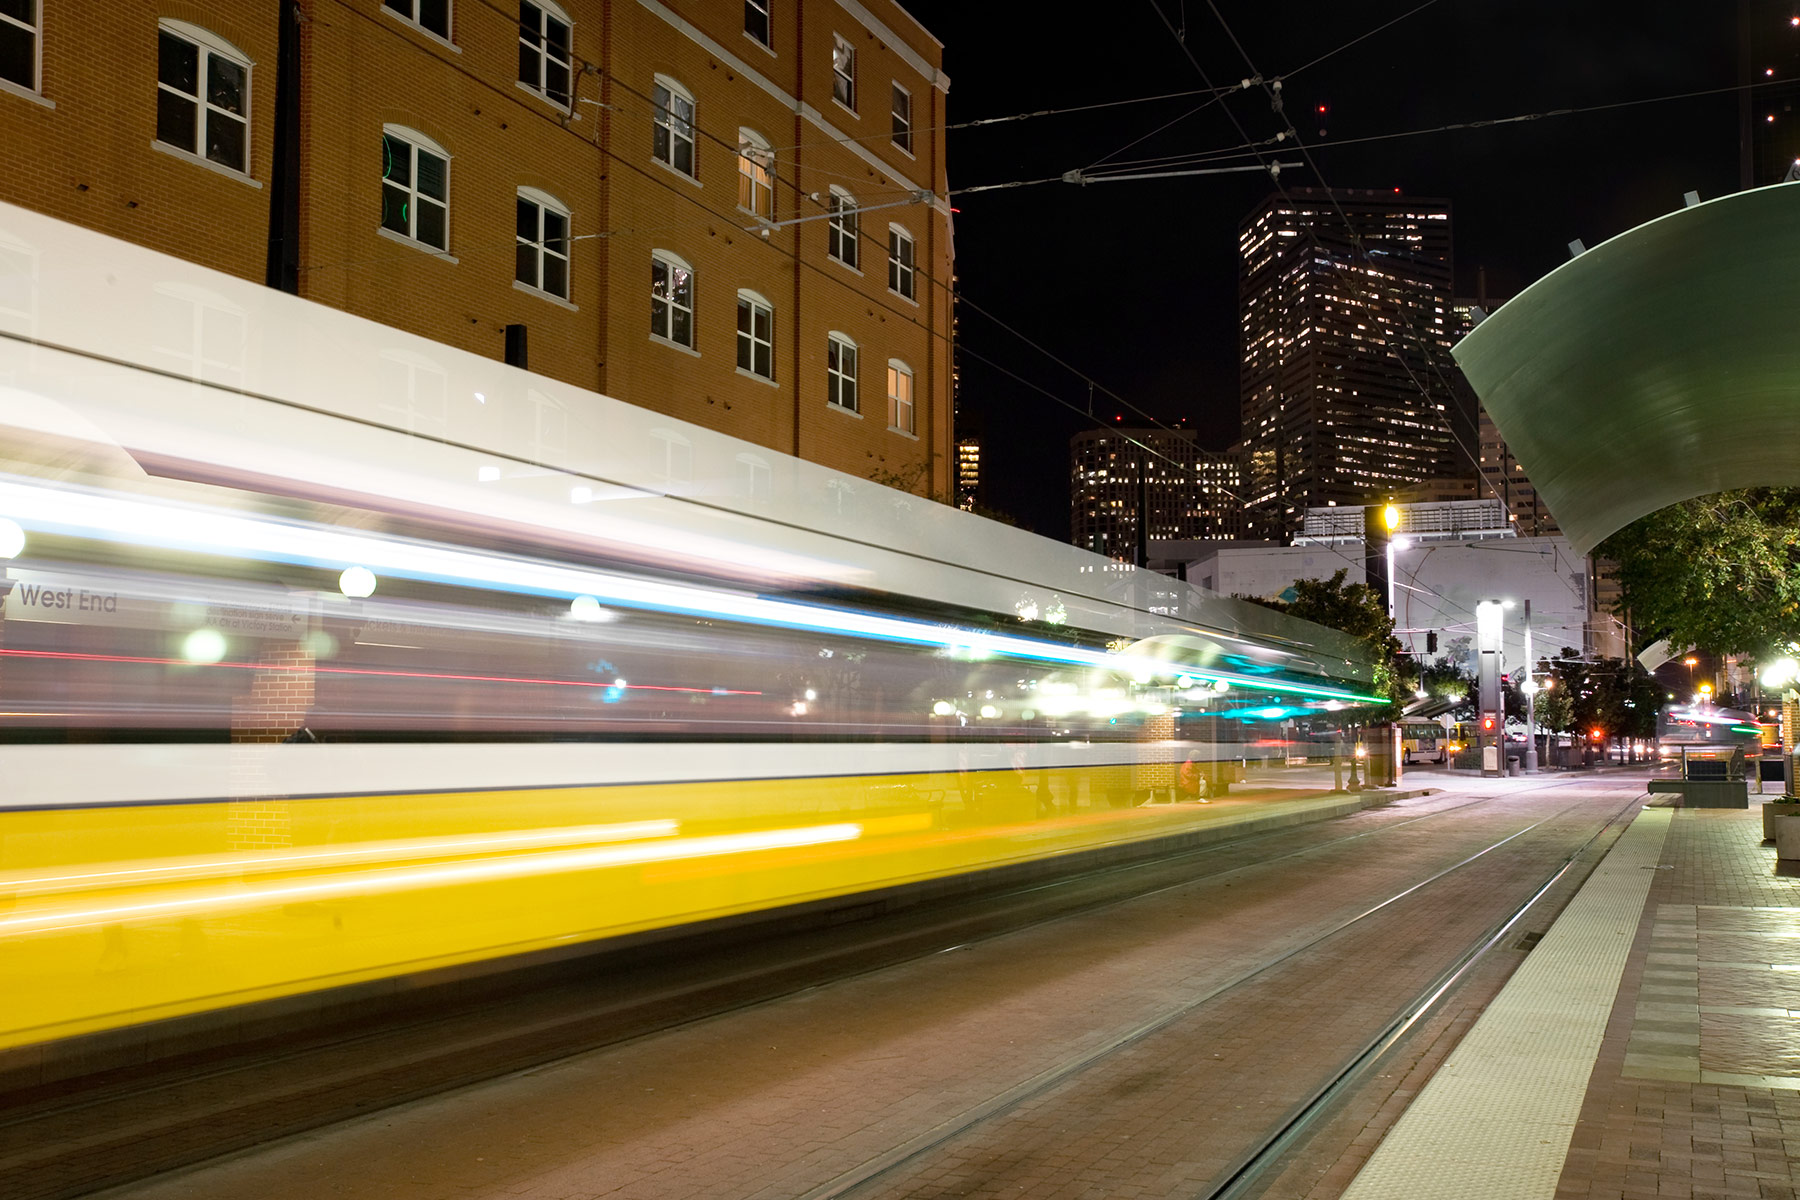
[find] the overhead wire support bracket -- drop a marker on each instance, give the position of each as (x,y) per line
(1082,178)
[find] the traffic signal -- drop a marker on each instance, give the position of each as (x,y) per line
(1431,641)
(1488,722)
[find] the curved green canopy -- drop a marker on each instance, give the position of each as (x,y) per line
(1660,366)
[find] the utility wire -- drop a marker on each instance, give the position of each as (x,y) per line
(1353,41)
(1362,250)
(1248,149)
(1275,174)
(1273,92)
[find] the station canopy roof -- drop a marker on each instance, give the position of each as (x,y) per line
(1659,366)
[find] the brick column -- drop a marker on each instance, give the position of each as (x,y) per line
(280,697)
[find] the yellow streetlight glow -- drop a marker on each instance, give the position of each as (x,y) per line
(1390,516)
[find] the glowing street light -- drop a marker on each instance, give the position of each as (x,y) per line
(1390,517)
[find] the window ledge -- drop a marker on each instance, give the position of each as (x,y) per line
(752,374)
(660,340)
(760,44)
(413,25)
(903,150)
(543,96)
(10,88)
(846,108)
(415,243)
(846,266)
(216,168)
(677,171)
(541,294)
(899,295)
(903,432)
(848,412)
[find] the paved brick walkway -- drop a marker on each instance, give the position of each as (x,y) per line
(1696,1091)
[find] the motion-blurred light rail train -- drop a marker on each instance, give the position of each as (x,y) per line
(329,654)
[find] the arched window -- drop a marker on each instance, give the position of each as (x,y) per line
(842,223)
(900,261)
(840,371)
(900,397)
(671,299)
(672,109)
(756,174)
(543,237)
(755,335)
(202,95)
(545,38)
(415,187)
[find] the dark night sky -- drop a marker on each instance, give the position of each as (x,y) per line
(1136,283)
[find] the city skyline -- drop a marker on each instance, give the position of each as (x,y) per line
(1164,250)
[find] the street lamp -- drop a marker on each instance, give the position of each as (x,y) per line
(1390,517)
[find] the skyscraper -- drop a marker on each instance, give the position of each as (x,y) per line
(1191,493)
(1769,104)
(1345,373)
(968,472)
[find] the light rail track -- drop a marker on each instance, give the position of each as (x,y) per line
(199,1110)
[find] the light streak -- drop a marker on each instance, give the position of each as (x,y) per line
(451,874)
(443,847)
(325,670)
(187,528)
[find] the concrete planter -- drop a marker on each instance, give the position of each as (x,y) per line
(1787,838)
(1777,808)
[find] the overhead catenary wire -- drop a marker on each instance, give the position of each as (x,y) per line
(1273,92)
(1275,175)
(1248,149)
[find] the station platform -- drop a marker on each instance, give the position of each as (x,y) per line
(1649,1046)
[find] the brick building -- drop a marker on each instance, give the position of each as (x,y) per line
(730,213)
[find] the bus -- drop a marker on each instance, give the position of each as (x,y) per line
(1424,741)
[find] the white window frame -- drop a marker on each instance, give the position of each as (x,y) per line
(765,8)
(541,248)
(671,263)
(756,174)
(903,270)
(35,28)
(407,12)
(842,228)
(747,337)
(664,119)
(902,419)
(417,142)
(540,87)
(837,379)
(843,71)
(207,46)
(901,133)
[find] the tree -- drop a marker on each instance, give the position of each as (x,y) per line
(1555,707)
(1721,573)
(1360,611)
(1446,679)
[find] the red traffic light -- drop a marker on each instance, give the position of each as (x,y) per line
(1596,734)
(1487,724)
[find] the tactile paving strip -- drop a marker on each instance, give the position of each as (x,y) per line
(1494,1123)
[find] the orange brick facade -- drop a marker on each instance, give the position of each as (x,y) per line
(82,146)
